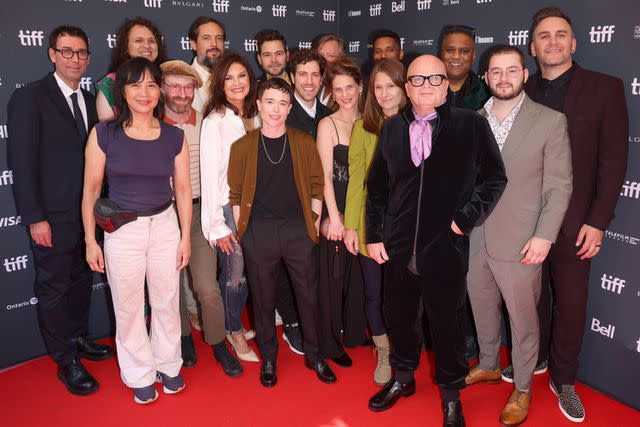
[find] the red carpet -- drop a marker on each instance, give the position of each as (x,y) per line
(30,395)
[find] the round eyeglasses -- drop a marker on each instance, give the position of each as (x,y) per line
(434,79)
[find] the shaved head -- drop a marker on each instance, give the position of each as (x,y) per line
(427,97)
(426,65)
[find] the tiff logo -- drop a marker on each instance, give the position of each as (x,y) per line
(613,284)
(635,86)
(375,9)
(304,45)
(354,47)
(518,38)
(631,189)
(607,331)
(6,178)
(638,348)
(185,43)
(602,34)
(153,3)
(220,6)
(250,45)
(424,4)
(4,133)
(111,40)
(85,83)
(328,15)
(279,10)
(15,263)
(397,7)
(9,221)
(31,37)
(483,1)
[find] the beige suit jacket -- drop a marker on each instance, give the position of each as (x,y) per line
(537,158)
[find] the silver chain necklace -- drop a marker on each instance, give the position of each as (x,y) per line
(284,146)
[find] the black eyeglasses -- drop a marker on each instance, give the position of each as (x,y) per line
(68,53)
(434,79)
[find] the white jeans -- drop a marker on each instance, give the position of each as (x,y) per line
(147,246)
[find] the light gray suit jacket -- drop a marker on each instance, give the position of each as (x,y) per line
(537,158)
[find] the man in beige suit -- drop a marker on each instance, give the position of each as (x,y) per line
(507,251)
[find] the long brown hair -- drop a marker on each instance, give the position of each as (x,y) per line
(120,52)
(218,100)
(373,114)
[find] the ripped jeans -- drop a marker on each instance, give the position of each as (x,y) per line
(232,280)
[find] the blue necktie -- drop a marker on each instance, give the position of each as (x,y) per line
(77,113)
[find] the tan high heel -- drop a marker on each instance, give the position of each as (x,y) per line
(249,356)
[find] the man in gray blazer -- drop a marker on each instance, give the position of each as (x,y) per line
(507,251)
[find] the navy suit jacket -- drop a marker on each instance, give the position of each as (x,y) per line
(46,152)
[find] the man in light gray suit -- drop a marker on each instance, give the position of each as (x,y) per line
(507,251)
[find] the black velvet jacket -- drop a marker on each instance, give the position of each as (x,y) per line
(299,119)
(462,180)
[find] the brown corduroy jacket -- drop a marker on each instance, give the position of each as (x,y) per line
(307,171)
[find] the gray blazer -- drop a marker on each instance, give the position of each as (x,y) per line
(537,158)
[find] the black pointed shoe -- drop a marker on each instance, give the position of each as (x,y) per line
(453,414)
(92,350)
(344,360)
(188,350)
(230,364)
(76,378)
(390,394)
(323,371)
(268,374)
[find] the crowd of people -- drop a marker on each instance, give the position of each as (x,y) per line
(346,206)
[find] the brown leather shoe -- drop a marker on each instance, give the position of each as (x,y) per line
(517,408)
(477,375)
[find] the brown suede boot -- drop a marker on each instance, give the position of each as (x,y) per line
(382,374)
(517,408)
(477,375)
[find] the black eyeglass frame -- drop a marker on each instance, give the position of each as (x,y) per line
(442,77)
(74,52)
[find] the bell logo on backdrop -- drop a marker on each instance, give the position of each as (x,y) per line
(398,6)
(111,41)
(375,9)
(16,263)
(424,4)
(4,133)
(6,178)
(250,45)
(279,10)
(635,86)
(631,189)
(304,45)
(612,284)
(10,221)
(153,3)
(354,47)
(518,37)
(601,33)
(220,6)
(608,331)
(185,43)
(31,37)
(328,15)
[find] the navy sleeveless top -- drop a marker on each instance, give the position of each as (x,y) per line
(139,171)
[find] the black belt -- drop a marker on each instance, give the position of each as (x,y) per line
(155,211)
(195,201)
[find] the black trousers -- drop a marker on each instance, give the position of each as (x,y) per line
(63,288)
(285,300)
(443,295)
(266,245)
(563,309)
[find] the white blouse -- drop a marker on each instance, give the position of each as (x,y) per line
(218,132)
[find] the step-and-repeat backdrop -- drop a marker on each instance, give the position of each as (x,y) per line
(608,41)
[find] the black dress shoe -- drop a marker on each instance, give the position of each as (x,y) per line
(76,378)
(230,364)
(343,360)
(470,348)
(92,350)
(188,351)
(268,374)
(323,371)
(453,414)
(389,395)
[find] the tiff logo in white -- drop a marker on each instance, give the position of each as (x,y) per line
(111,40)
(31,37)
(483,1)
(329,15)
(153,3)
(602,33)
(638,348)
(607,331)
(375,9)
(397,6)
(85,83)
(354,47)
(424,4)
(613,284)
(518,38)
(6,178)
(635,86)
(4,133)
(631,189)
(304,45)
(250,45)
(220,6)
(279,10)
(15,263)
(185,43)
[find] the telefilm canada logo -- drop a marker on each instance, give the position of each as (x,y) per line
(621,237)
(425,42)
(450,2)
(306,13)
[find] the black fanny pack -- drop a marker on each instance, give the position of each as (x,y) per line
(109,217)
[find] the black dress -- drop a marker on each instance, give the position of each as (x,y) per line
(340,288)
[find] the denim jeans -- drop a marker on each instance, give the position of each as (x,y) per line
(232,280)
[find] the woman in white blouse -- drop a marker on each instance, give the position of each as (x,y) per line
(230,113)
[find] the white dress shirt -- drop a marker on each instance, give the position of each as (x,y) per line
(201,96)
(219,132)
(67,91)
(310,111)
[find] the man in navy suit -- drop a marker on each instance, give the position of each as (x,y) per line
(49,121)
